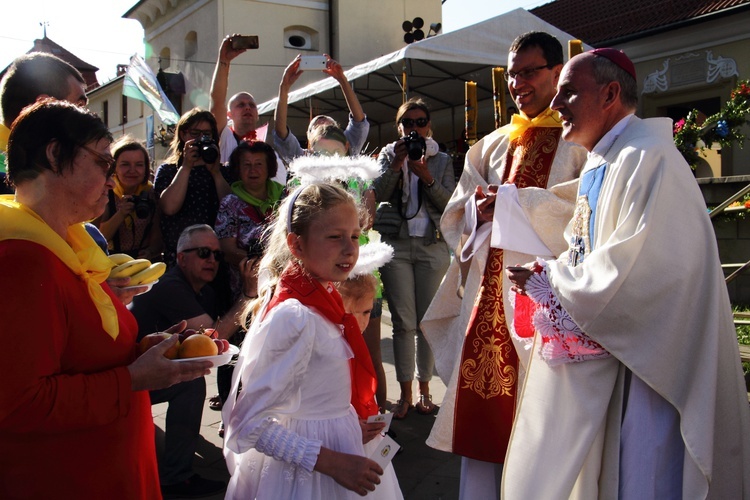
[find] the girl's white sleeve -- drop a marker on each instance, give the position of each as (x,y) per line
(272,362)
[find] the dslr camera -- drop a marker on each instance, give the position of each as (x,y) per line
(415,145)
(143,205)
(207,149)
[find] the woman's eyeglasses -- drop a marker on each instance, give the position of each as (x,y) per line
(409,122)
(195,133)
(205,252)
(106,163)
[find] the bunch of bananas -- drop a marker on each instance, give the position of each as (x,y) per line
(140,271)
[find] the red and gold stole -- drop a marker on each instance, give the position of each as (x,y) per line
(488,374)
(295,283)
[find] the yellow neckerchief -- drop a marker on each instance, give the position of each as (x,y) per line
(120,193)
(519,123)
(4,134)
(80,253)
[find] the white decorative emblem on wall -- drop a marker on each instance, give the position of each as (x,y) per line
(723,67)
(656,80)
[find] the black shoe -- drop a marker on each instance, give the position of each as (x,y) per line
(194,487)
(221,430)
(215,403)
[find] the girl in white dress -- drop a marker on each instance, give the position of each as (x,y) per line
(294,429)
(358,294)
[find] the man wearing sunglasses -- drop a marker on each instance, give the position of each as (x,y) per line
(182,293)
(514,198)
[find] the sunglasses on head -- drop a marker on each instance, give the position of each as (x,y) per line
(205,252)
(409,122)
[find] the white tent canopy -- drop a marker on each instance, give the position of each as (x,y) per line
(435,68)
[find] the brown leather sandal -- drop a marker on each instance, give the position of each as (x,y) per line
(425,406)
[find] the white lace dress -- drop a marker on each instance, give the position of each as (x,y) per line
(295,398)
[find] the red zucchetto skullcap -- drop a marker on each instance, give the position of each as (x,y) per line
(619,58)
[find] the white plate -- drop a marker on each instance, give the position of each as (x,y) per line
(147,285)
(218,360)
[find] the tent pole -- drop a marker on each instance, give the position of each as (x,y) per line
(403,83)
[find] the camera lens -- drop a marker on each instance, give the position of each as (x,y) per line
(415,145)
(142,206)
(207,149)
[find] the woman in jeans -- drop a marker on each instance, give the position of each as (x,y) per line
(415,185)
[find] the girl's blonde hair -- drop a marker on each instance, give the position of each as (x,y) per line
(296,214)
(358,287)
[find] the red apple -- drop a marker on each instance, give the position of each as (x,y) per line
(153,339)
(211,332)
(226,344)
(219,345)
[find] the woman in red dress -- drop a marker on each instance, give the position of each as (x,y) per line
(75,417)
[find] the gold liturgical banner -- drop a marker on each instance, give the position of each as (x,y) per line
(498,97)
(575,47)
(471,112)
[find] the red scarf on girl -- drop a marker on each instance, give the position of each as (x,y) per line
(295,283)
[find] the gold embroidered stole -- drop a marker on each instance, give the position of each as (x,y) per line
(488,373)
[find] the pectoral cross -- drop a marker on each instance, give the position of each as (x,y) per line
(577,250)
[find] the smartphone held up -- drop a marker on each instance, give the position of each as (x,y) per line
(245,42)
(312,63)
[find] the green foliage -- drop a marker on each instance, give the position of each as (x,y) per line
(722,128)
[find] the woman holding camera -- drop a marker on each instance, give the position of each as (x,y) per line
(190,184)
(416,182)
(130,222)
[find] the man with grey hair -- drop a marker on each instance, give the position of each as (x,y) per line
(183,293)
(634,389)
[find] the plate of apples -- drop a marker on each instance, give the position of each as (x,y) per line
(193,345)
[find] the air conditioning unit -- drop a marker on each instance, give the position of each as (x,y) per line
(298,39)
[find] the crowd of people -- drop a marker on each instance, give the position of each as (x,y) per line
(538,285)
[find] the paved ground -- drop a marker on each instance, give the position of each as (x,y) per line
(423,473)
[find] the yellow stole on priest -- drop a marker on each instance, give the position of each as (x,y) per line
(488,373)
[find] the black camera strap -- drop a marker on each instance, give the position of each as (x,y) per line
(400,203)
